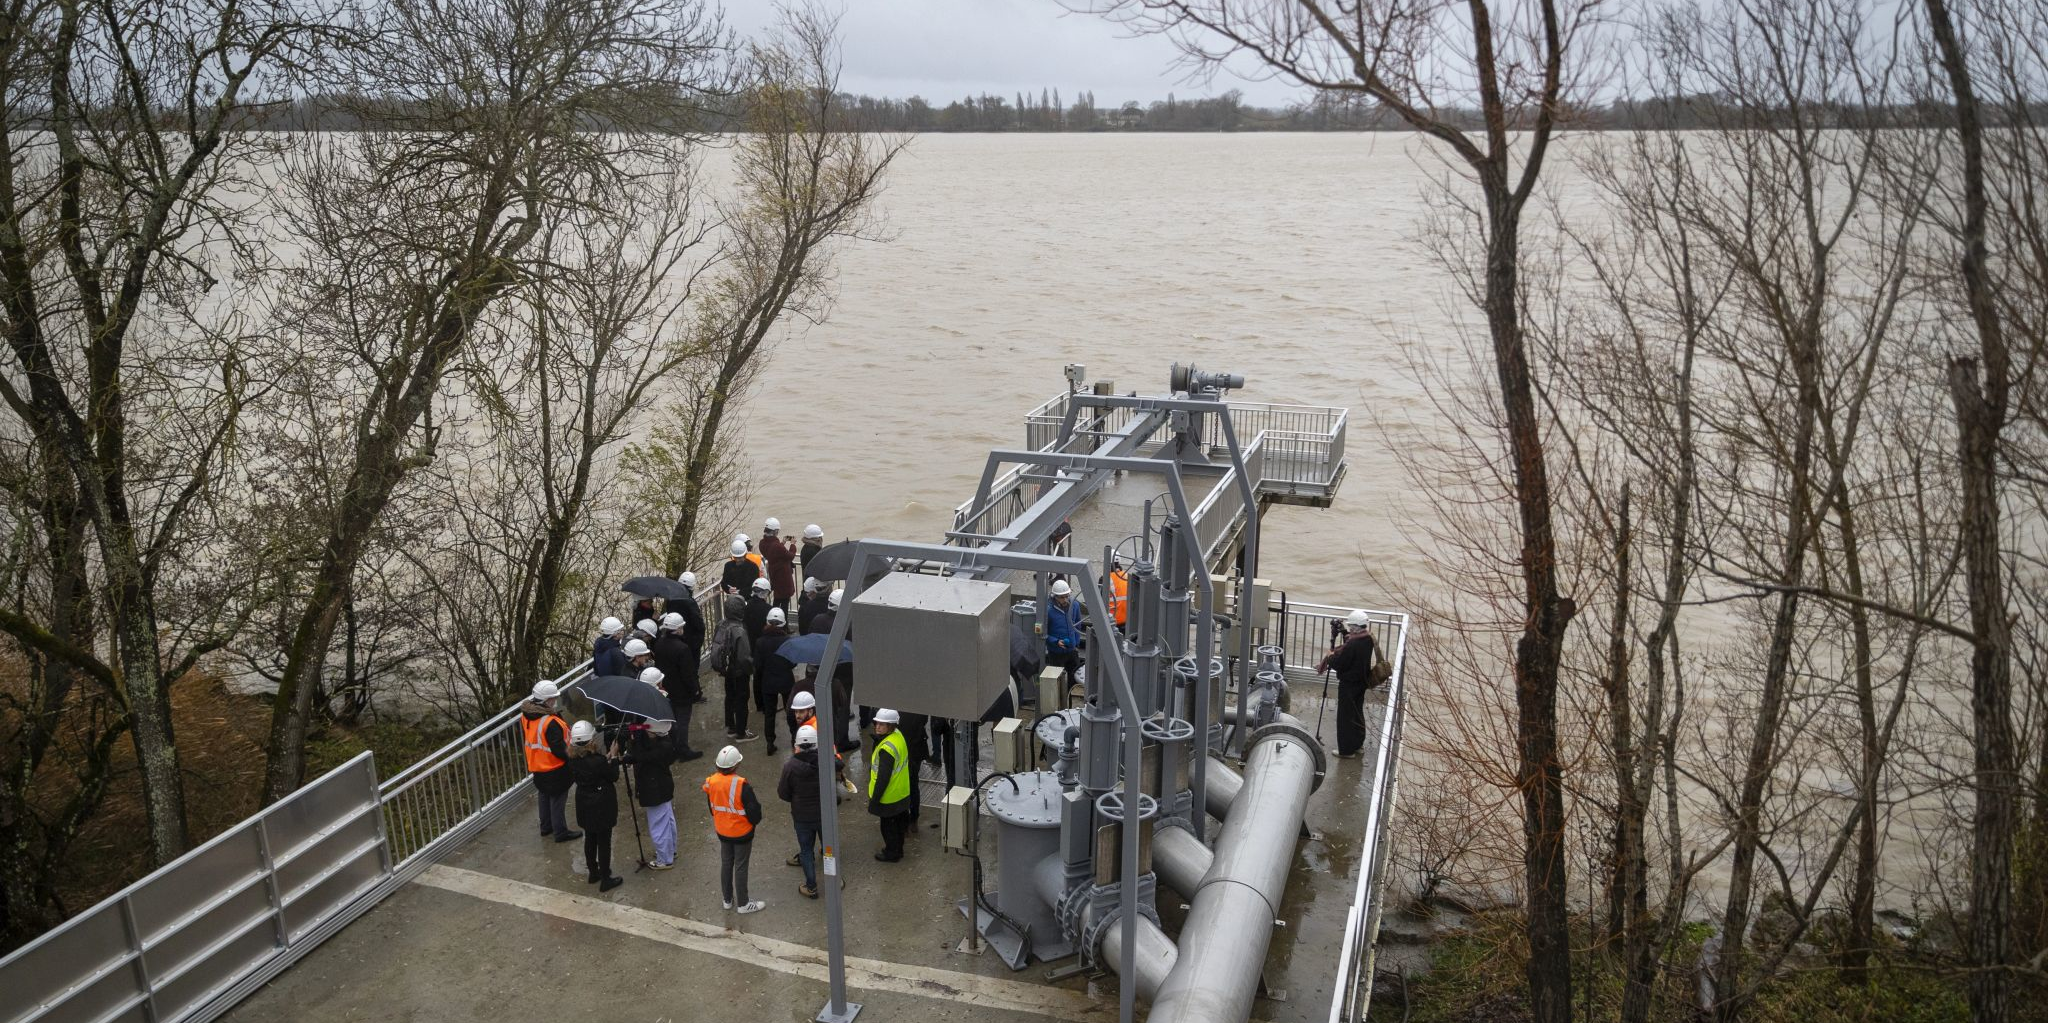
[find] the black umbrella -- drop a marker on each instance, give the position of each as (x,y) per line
(655,586)
(1027,652)
(831,563)
(628,695)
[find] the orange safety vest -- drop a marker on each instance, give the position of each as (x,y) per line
(539,758)
(728,813)
(755,557)
(1119,587)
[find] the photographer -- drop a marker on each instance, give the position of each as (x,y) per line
(1353,661)
(597,803)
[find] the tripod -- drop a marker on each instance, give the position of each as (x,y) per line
(633,813)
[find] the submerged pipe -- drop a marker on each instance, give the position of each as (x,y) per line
(1230,918)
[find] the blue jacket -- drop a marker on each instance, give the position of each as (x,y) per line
(606,657)
(1063,627)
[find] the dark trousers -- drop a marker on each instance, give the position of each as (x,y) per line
(807,850)
(554,813)
(770,706)
(1068,659)
(1350,715)
(597,851)
(733,856)
(894,828)
(736,706)
(681,706)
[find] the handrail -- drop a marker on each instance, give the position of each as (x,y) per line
(1351,994)
(565,681)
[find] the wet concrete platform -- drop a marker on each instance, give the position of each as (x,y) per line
(507,930)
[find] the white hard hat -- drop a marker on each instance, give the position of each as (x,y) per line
(775,615)
(814,532)
(1355,620)
(611,627)
(647,626)
(728,758)
(636,648)
(888,717)
(763,584)
(833,600)
(1060,588)
(671,621)
(812,585)
(652,676)
(582,732)
(688,579)
(740,538)
(773,525)
(806,737)
(545,690)
(660,727)
(802,701)
(739,548)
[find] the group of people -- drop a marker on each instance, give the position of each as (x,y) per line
(666,647)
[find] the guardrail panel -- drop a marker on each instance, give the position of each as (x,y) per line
(82,967)
(187,886)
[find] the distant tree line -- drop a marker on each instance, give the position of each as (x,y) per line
(1047,112)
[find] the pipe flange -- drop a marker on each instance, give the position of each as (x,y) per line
(1113,915)
(1281,729)
(1072,914)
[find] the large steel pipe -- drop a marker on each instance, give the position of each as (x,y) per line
(1181,859)
(1230,919)
(1155,952)
(1223,787)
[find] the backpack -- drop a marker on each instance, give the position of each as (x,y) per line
(733,656)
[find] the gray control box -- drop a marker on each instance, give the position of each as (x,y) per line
(928,644)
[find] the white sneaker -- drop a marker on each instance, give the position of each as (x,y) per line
(754,907)
(727,905)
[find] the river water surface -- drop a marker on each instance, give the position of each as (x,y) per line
(1291,258)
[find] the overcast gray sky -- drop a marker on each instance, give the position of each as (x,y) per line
(946,49)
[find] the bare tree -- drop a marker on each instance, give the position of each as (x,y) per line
(807,177)
(415,234)
(1509,62)
(117,226)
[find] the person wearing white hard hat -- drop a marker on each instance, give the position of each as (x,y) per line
(546,739)
(605,658)
(810,605)
(732,657)
(798,787)
(647,631)
(779,559)
(597,803)
(735,811)
(757,609)
(774,676)
(638,656)
(693,633)
(1353,660)
(650,753)
(1063,618)
(891,784)
(740,570)
(678,664)
(814,544)
(643,612)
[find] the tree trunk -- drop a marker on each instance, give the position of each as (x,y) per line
(1626,894)
(1980,419)
(704,446)
(1539,773)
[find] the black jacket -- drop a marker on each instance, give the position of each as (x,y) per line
(810,609)
(804,555)
(1353,661)
(678,664)
(798,787)
(650,756)
(693,619)
(597,797)
(757,617)
(739,574)
(773,676)
(643,610)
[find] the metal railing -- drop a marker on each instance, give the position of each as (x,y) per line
(1351,993)
(187,942)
